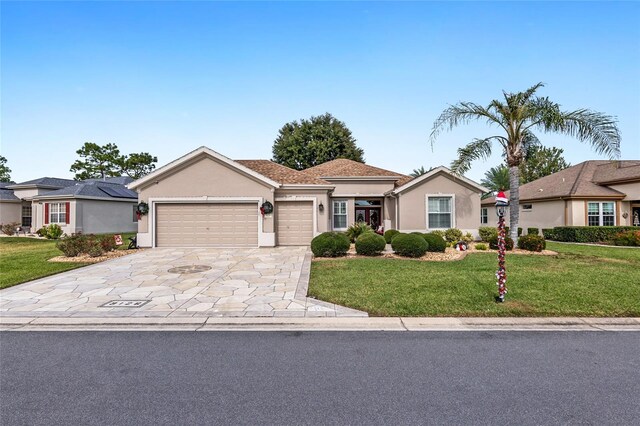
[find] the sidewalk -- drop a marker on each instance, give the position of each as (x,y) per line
(319,324)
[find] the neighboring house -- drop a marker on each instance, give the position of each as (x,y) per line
(92,206)
(205,199)
(592,193)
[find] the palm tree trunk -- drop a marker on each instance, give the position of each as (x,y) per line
(514,202)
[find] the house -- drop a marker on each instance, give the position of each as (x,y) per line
(205,199)
(592,193)
(91,206)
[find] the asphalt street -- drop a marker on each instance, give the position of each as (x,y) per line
(265,378)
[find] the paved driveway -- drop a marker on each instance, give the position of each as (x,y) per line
(260,282)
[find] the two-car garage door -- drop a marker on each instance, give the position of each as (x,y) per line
(207,225)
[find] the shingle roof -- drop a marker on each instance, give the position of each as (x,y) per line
(575,181)
(343,167)
(48,182)
(7,194)
(280,173)
(122,180)
(93,189)
(616,171)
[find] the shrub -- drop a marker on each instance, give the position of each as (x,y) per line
(107,242)
(53,231)
(409,245)
(547,233)
(453,235)
(467,238)
(95,250)
(627,238)
(436,242)
(42,232)
(519,231)
(532,231)
(9,228)
(481,246)
(356,230)
(532,242)
(438,232)
(493,243)
(487,232)
(588,234)
(330,244)
(370,244)
(388,235)
(69,246)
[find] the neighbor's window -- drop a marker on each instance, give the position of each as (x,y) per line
(135,213)
(340,214)
(440,212)
(26,215)
(484,215)
(601,213)
(57,213)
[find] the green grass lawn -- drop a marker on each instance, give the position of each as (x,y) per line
(25,259)
(579,281)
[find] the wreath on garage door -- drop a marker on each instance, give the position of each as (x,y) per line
(266,208)
(142,209)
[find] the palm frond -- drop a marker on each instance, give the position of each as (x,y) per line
(461,113)
(479,148)
(595,128)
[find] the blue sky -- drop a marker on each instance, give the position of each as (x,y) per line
(169,77)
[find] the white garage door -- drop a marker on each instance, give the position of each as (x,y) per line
(207,225)
(294,223)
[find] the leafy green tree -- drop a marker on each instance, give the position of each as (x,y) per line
(307,143)
(137,165)
(98,162)
(496,179)
(540,162)
(5,171)
(517,117)
(419,172)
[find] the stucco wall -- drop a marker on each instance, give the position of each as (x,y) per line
(27,193)
(361,187)
(10,212)
(543,214)
(100,217)
(320,196)
(632,190)
(413,208)
(37,212)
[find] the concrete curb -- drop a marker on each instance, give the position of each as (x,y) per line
(320,324)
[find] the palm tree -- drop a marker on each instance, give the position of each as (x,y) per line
(496,179)
(419,172)
(517,117)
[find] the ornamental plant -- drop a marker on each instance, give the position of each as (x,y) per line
(388,235)
(409,245)
(330,244)
(436,242)
(357,229)
(532,242)
(370,244)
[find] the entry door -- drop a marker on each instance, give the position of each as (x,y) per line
(369,215)
(635,216)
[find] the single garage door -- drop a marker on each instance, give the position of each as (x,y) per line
(294,223)
(207,225)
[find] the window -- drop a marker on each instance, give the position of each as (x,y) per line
(135,213)
(601,214)
(484,215)
(439,213)
(340,214)
(57,213)
(527,207)
(26,216)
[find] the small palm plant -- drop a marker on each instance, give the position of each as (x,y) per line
(517,117)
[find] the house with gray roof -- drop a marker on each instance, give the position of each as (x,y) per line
(92,206)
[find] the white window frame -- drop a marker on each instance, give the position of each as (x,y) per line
(60,214)
(23,217)
(453,208)
(333,214)
(601,214)
(484,215)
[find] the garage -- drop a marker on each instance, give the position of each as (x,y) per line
(294,223)
(207,225)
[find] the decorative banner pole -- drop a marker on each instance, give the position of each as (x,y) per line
(501,207)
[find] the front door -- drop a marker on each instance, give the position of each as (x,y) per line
(635,216)
(369,215)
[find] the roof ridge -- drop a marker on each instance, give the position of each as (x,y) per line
(576,182)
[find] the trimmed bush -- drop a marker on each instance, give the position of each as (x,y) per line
(493,243)
(532,242)
(436,242)
(356,230)
(95,250)
(453,235)
(548,234)
(481,246)
(69,246)
(588,234)
(438,232)
(487,232)
(627,238)
(467,238)
(519,231)
(409,245)
(532,231)
(330,244)
(370,244)
(388,235)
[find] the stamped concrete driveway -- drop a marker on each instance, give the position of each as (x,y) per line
(165,282)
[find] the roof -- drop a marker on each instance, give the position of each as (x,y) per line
(573,182)
(408,181)
(92,189)
(343,167)
(47,182)
(282,174)
(617,171)
(7,194)
(122,180)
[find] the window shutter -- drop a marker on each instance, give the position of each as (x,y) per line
(67,207)
(46,213)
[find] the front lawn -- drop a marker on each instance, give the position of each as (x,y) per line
(579,281)
(25,259)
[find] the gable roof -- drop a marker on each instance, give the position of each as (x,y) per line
(43,182)
(573,182)
(282,174)
(92,189)
(202,151)
(343,167)
(617,171)
(411,181)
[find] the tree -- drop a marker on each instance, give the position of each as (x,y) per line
(307,143)
(419,172)
(517,117)
(98,162)
(496,179)
(5,171)
(540,162)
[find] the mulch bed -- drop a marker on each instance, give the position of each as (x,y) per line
(85,258)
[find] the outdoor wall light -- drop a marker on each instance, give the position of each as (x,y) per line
(321,207)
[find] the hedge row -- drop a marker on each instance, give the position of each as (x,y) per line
(585,234)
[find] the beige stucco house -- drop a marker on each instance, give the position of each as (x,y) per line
(206,199)
(90,206)
(592,193)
